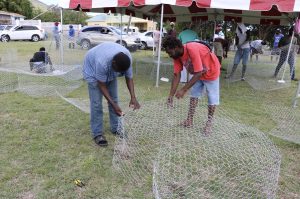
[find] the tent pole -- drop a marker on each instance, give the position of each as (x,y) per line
(121,25)
(215,24)
(153,29)
(287,58)
(159,46)
(61,38)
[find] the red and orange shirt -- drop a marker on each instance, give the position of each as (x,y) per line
(198,58)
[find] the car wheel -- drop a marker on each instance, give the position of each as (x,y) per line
(85,44)
(5,38)
(143,45)
(123,43)
(35,38)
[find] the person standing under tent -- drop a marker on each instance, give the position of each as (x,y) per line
(102,65)
(185,36)
(275,50)
(56,34)
(219,37)
(198,59)
(172,31)
(243,49)
(256,48)
(71,37)
(156,38)
(38,63)
(284,47)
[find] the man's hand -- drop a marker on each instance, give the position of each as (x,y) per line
(118,110)
(134,104)
(180,93)
(170,102)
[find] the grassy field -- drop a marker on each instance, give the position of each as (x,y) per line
(46,144)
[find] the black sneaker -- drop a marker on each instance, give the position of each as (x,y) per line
(100,140)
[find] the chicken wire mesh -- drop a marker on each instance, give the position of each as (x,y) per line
(287,122)
(145,69)
(142,93)
(235,160)
(268,72)
(20,71)
(148,67)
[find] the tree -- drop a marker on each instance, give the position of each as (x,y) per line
(22,7)
(69,16)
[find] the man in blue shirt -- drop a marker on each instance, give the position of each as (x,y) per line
(102,65)
(56,34)
(276,51)
(71,37)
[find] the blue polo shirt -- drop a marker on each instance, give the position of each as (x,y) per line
(97,64)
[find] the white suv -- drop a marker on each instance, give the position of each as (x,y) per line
(93,35)
(24,32)
(147,40)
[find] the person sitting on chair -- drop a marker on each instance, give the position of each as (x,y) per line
(38,63)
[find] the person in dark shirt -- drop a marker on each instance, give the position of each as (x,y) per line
(172,31)
(38,63)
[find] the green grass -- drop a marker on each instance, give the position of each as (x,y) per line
(46,144)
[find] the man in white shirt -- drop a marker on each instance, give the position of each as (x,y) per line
(156,38)
(218,40)
(243,49)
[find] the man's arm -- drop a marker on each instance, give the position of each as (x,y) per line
(104,90)
(133,101)
(175,82)
(188,85)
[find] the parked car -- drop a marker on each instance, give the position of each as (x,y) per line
(24,32)
(93,35)
(131,30)
(2,27)
(147,40)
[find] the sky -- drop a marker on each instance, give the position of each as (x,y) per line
(49,2)
(54,2)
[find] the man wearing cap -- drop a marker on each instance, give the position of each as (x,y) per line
(276,51)
(56,35)
(71,37)
(172,31)
(218,40)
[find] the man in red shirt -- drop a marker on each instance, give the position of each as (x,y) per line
(199,61)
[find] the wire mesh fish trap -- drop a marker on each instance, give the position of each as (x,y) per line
(39,73)
(233,161)
(287,122)
(266,75)
(148,67)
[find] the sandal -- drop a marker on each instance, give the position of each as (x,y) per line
(100,140)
